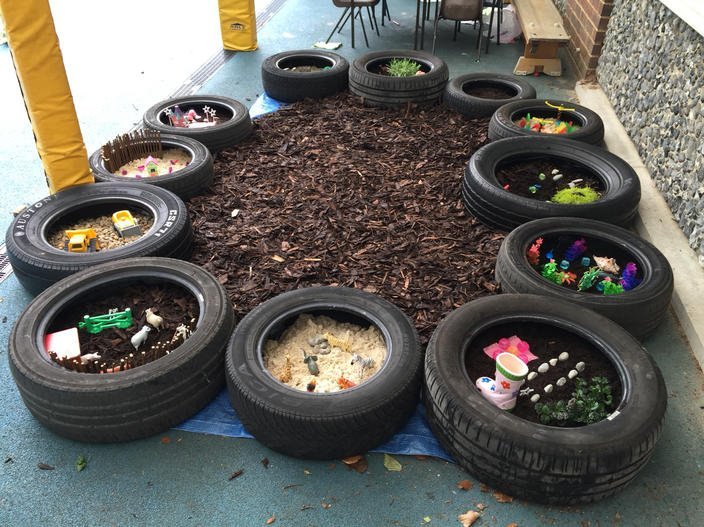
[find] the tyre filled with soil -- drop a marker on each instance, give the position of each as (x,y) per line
(292,76)
(37,264)
(533,461)
(235,125)
(481,94)
(134,403)
(323,425)
(486,199)
(503,121)
(185,182)
(378,89)
(639,310)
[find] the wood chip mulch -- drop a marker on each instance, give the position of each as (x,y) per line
(334,193)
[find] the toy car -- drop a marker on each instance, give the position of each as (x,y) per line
(125,224)
(81,241)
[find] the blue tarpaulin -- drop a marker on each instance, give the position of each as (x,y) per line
(219,418)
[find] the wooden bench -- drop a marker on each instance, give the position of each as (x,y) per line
(543,32)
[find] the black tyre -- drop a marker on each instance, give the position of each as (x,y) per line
(134,403)
(37,264)
(376,89)
(502,123)
(484,197)
(324,425)
(533,461)
(290,86)
(235,127)
(186,182)
(639,310)
(458,93)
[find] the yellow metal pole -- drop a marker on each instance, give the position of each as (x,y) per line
(238,24)
(47,95)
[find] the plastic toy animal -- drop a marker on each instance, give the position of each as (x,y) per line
(138,338)
(154,320)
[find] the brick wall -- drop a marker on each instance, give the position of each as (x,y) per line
(585,21)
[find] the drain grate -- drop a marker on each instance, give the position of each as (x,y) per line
(5,267)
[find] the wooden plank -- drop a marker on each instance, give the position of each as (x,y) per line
(540,21)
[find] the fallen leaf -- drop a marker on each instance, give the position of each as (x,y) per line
(501,497)
(484,488)
(464,484)
(265,462)
(165,440)
(357,463)
(306,507)
(307,472)
(81,463)
(325,505)
(481,507)
(271,520)
(391,464)
(351,460)
(44,466)
(512,524)
(468,518)
(419,457)
(426,519)
(236,474)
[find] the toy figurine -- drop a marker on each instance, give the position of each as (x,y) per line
(113,319)
(311,362)
(140,337)
(154,320)
(533,253)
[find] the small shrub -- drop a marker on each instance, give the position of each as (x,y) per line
(590,403)
(575,196)
(402,67)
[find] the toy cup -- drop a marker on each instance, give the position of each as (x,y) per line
(510,374)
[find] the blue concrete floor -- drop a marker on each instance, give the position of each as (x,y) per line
(180,478)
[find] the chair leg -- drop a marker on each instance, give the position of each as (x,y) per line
(385,11)
(361,21)
(491,23)
(376,24)
(338,23)
(454,33)
(479,41)
(344,22)
(435,33)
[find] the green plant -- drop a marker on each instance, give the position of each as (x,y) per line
(402,67)
(575,196)
(590,403)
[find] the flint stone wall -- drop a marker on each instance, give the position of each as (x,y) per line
(652,70)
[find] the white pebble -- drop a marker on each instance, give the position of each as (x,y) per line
(579,366)
(557,177)
(561,381)
(572,374)
(553,362)
(555,171)
(564,356)
(543,367)
(535,398)
(548,388)
(532,375)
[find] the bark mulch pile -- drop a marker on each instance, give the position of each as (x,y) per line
(334,193)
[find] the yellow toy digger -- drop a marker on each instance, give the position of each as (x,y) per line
(81,241)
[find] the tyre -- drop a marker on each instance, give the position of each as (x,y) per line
(502,123)
(37,264)
(531,461)
(376,89)
(324,425)
(639,310)
(186,182)
(134,403)
(458,93)
(235,126)
(290,86)
(485,198)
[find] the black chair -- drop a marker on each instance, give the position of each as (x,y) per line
(352,10)
(459,11)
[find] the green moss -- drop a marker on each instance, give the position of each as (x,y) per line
(402,67)
(575,196)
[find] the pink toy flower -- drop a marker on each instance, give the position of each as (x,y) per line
(140,168)
(123,172)
(171,169)
(172,161)
(513,344)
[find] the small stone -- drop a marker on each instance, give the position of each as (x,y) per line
(552,362)
(532,375)
(561,381)
(563,356)
(557,177)
(541,176)
(548,388)
(543,367)
(572,374)
(580,366)
(555,171)
(535,398)
(318,339)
